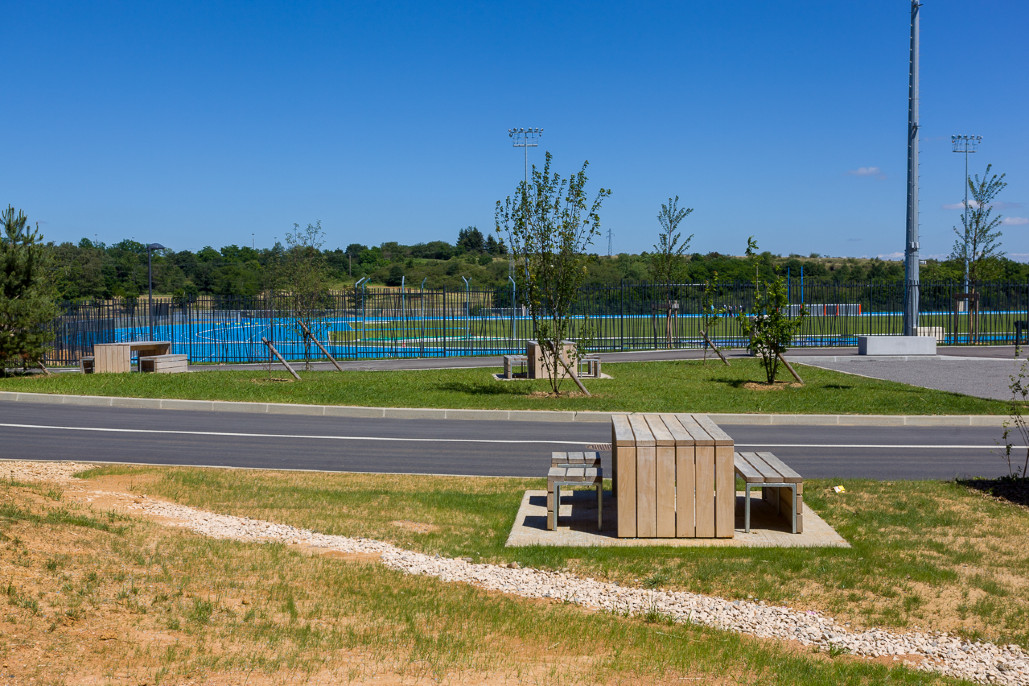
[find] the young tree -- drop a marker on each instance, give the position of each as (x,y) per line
(302,277)
(668,260)
(550,223)
(27,305)
(768,326)
(978,239)
(978,243)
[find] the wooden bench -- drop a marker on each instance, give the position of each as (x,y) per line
(673,476)
(780,486)
(510,361)
(589,368)
(573,474)
(164,364)
(590,459)
(86,364)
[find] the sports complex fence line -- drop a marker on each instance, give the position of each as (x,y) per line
(386,323)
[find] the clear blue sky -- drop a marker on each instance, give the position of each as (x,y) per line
(201,123)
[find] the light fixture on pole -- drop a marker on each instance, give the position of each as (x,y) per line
(965,144)
(525,139)
(150,283)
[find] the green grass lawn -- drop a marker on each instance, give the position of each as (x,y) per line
(926,554)
(635,387)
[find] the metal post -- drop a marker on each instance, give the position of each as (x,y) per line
(150,284)
(911,248)
(467,309)
(514,322)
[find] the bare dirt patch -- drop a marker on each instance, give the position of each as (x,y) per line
(777,386)
(417,527)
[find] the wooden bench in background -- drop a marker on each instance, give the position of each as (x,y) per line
(510,361)
(164,364)
(780,486)
(86,364)
(673,476)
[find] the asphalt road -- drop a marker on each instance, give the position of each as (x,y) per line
(513,448)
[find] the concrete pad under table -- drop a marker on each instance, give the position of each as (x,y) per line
(579,527)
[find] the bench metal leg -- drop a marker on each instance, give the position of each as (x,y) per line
(746,510)
(600,506)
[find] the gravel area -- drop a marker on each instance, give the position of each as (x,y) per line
(981,662)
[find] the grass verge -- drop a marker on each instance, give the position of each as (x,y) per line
(635,387)
(926,554)
(87,602)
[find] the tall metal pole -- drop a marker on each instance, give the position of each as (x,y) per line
(965,144)
(911,248)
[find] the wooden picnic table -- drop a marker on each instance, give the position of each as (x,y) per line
(673,476)
(117,357)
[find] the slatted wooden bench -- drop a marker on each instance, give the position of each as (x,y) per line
(86,364)
(780,485)
(588,459)
(510,361)
(673,476)
(574,474)
(164,364)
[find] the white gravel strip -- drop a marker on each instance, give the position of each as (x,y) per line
(981,662)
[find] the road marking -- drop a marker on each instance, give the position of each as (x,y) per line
(877,445)
(590,444)
(228,434)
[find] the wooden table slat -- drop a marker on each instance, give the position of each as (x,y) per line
(713,430)
(700,436)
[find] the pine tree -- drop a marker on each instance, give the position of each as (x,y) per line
(27,307)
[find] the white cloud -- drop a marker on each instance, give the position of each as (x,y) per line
(867,171)
(1015,221)
(972,204)
(893,256)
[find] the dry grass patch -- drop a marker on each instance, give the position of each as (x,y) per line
(101,597)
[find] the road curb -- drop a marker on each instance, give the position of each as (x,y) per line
(487,415)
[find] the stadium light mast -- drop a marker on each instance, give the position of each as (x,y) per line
(911,247)
(525,138)
(966,144)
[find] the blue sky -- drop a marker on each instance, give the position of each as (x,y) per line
(210,123)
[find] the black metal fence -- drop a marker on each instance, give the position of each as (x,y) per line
(369,323)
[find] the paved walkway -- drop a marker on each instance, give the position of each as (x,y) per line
(954,370)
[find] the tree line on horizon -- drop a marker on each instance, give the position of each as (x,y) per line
(91,270)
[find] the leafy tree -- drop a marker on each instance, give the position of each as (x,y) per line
(26,293)
(668,259)
(978,243)
(303,278)
(979,240)
(550,223)
(768,326)
(470,239)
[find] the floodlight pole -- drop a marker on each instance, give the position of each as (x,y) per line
(965,144)
(911,247)
(150,284)
(525,139)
